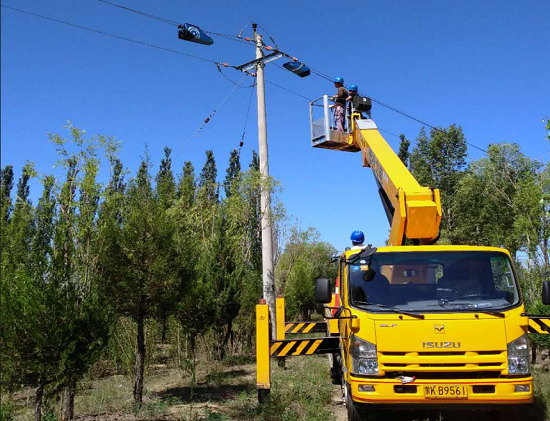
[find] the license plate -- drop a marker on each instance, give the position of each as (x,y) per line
(446,391)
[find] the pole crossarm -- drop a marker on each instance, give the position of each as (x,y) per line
(292,328)
(307,346)
(265,59)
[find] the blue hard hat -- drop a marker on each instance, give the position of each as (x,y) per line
(339,80)
(353,88)
(357,236)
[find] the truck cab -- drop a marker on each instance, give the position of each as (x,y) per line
(432,326)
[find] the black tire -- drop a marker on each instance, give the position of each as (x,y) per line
(335,369)
(355,412)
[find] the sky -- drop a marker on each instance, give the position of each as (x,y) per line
(483,65)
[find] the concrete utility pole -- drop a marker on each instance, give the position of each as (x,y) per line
(267,239)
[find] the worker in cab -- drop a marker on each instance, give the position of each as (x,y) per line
(357,238)
(340,104)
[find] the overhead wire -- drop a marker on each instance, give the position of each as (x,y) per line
(210,116)
(237,38)
(241,144)
(111,35)
(270,37)
(390,107)
(148,15)
(172,22)
(288,90)
(219,66)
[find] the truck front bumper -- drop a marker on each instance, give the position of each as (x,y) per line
(480,391)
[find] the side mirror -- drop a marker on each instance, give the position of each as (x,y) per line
(546,293)
(369,275)
(322,291)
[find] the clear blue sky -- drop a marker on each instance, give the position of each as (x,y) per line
(481,64)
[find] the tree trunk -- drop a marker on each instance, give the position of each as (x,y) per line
(140,362)
(38,402)
(164,329)
(67,408)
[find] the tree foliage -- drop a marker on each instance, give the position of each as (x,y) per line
(305,259)
(438,161)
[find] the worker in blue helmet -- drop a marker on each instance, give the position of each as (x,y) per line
(357,238)
(352,93)
(340,104)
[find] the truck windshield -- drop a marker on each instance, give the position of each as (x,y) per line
(434,281)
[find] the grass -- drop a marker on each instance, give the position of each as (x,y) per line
(302,391)
(225,392)
(541,407)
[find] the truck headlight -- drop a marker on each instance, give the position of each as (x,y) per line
(364,359)
(519,361)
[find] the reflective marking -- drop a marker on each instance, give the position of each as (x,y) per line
(301,348)
(274,347)
(297,328)
(286,349)
(314,347)
(539,325)
(311,326)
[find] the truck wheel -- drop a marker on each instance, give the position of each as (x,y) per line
(355,413)
(335,369)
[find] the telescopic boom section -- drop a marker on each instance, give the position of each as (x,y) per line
(413,211)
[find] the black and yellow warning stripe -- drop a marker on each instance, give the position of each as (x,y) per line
(289,347)
(539,324)
(305,327)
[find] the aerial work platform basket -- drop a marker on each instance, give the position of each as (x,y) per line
(323,128)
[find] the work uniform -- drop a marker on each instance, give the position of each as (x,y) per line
(340,109)
(350,108)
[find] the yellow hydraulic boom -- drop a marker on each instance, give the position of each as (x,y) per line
(413,211)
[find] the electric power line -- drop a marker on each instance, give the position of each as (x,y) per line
(237,38)
(218,65)
(148,15)
(246,118)
(111,35)
(270,37)
(288,90)
(390,107)
(207,119)
(171,22)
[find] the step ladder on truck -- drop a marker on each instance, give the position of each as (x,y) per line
(413,324)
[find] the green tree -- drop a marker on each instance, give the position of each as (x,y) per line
(497,201)
(5,193)
(207,178)
(166,184)
(404,153)
(166,193)
(74,265)
(439,162)
(138,268)
(304,259)
(187,185)
(233,172)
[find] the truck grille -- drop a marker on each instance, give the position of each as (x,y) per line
(451,361)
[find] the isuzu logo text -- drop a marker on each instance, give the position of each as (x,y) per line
(440,344)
